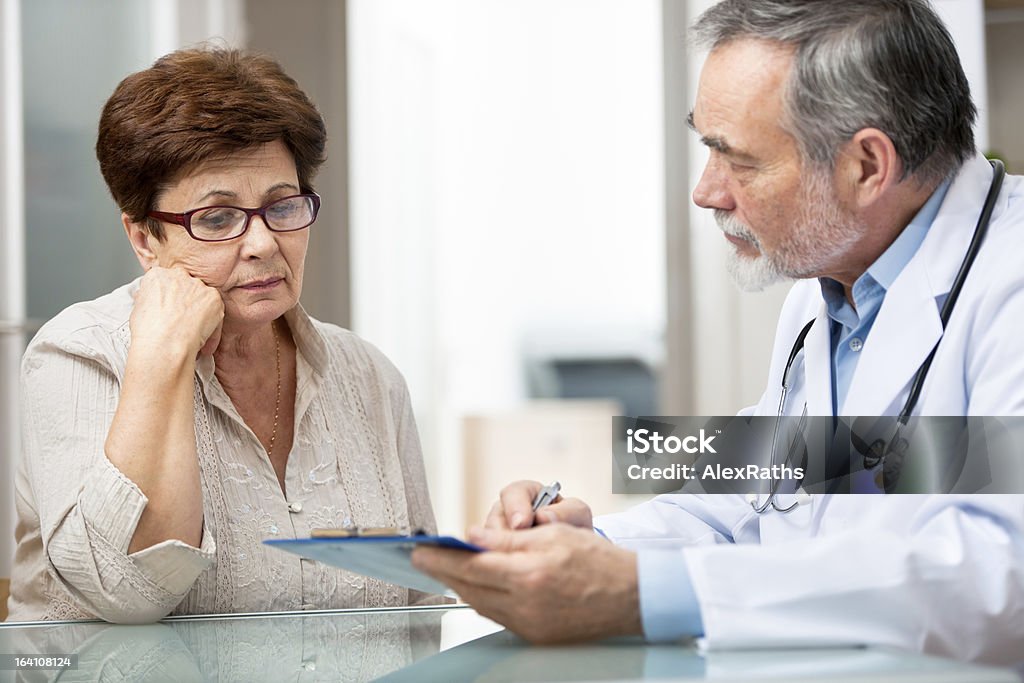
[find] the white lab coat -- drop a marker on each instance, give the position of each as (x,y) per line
(941,574)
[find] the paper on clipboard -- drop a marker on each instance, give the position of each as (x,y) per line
(382,557)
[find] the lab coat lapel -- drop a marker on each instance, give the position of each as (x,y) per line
(902,336)
(818,369)
(908,324)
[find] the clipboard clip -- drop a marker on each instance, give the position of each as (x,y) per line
(366,532)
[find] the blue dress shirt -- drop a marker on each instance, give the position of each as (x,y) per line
(851,325)
(669,609)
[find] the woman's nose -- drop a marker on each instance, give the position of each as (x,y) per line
(259,240)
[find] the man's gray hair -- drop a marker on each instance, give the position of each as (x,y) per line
(886,64)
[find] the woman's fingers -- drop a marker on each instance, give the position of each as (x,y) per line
(173,308)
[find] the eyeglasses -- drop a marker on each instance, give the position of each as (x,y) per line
(222,223)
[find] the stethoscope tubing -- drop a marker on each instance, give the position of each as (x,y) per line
(980,230)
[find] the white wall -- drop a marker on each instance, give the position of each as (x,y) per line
(965,20)
(12,260)
(506,188)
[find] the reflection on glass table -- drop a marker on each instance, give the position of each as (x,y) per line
(442,643)
(341,645)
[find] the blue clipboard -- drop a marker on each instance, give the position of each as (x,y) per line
(381,557)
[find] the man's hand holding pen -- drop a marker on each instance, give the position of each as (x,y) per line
(514,508)
(539,579)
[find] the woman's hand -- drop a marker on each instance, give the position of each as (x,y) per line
(152,439)
(514,509)
(175,311)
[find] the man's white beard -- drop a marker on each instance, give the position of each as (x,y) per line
(823,234)
(750,273)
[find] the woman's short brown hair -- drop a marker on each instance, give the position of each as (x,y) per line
(194,105)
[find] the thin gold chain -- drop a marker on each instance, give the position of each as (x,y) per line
(277,402)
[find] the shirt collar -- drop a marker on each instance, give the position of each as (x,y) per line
(310,341)
(893,260)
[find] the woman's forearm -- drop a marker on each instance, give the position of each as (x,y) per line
(152,442)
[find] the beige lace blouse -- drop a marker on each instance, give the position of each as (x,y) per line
(355,460)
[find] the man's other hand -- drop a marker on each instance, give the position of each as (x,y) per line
(549,584)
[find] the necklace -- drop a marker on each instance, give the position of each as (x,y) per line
(277,402)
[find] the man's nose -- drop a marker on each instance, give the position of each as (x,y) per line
(712,190)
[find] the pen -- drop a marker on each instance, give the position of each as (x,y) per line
(546,496)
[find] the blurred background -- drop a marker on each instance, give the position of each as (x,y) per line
(506,208)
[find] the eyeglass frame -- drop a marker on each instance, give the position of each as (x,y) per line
(185,219)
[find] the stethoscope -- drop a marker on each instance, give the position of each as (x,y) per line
(890,453)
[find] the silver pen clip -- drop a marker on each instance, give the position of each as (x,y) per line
(546,496)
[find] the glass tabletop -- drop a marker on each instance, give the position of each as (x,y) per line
(345,645)
(435,643)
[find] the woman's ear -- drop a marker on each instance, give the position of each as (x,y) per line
(141,240)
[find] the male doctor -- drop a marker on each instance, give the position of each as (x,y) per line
(841,155)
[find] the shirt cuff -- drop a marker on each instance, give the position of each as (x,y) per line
(112,504)
(668,604)
(174,565)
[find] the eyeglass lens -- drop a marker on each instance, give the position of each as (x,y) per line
(224,222)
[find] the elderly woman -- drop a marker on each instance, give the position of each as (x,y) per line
(172,425)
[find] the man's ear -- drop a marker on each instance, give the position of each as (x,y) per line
(141,240)
(868,166)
